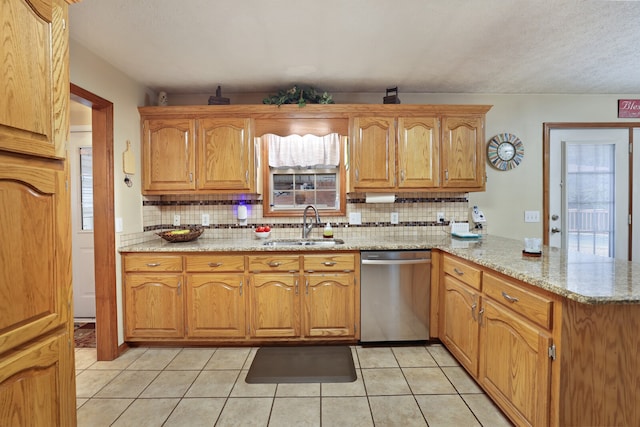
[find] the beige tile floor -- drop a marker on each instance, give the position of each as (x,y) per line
(396,386)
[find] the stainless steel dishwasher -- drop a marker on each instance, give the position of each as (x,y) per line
(394,295)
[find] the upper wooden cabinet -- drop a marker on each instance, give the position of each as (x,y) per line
(391,147)
(463,153)
(225,160)
(395,153)
(188,155)
(168,150)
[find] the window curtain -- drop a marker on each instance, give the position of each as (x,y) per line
(306,151)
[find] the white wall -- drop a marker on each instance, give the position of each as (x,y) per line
(508,193)
(100,78)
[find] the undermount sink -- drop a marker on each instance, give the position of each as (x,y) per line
(304,242)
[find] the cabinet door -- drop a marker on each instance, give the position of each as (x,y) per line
(153,306)
(418,152)
(35,77)
(168,155)
(461,330)
(275,306)
(35,281)
(37,384)
(225,157)
(515,368)
(215,305)
(329,302)
(373,153)
(463,164)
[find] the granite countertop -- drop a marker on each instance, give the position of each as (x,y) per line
(584,278)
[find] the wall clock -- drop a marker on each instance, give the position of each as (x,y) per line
(505,151)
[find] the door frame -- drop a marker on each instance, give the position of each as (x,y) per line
(104,237)
(546,170)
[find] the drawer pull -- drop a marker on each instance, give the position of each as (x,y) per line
(329,263)
(296,287)
(473,310)
(153,264)
(179,290)
(307,286)
(240,287)
(215,264)
(458,272)
(480,313)
(509,297)
(273,264)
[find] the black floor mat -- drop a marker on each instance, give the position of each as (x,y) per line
(302,364)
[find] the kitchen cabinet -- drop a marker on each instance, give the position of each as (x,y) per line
(153,297)
(463,153)
(197,155)
(225,155)
(274,295)
(215,296)
(331,296)
(461,300)
(168,152)
(394,153)
(37,374)
(417,153)
(502,333)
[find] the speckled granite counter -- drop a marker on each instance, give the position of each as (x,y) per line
(584,278)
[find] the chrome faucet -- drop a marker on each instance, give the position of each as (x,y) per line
(306,229)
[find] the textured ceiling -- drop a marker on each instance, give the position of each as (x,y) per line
(438,46)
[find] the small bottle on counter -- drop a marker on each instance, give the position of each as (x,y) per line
(328,231)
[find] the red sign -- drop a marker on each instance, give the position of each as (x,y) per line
(628,108)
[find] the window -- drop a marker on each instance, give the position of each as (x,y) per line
(303,170)
(86,188)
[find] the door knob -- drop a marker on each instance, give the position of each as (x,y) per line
(555,230)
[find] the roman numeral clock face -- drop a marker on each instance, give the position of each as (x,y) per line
(505,151)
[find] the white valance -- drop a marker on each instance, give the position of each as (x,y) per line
(303,151)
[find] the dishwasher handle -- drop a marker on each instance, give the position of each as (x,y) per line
(396,261)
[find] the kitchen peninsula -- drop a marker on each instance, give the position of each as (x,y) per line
(553,340)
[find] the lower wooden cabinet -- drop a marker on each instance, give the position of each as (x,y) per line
(274,305)
(259,296)
(329,305)
(154,306)
(215,305)
(502,333)
(461,329)
(515,367)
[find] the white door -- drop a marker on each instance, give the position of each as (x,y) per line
(84,294)
(589,191)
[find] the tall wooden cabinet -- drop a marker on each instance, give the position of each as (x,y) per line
(37,373)
(463,153)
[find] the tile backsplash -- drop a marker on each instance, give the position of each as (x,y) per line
(416,216)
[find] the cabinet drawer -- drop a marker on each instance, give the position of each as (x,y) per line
(534,307)
(153,263)
(214,262)
(274,263)
(329,262)
(463,271)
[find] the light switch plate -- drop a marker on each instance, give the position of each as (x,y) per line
(205,219)
(119,226)
(176,220)
(394,217)
(355,218)
(531,216)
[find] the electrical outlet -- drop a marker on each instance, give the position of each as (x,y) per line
(394,218)
(176,220)
(355,218)
(440,217)
(205,220)
(531,216)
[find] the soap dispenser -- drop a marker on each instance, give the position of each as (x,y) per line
(328,231)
